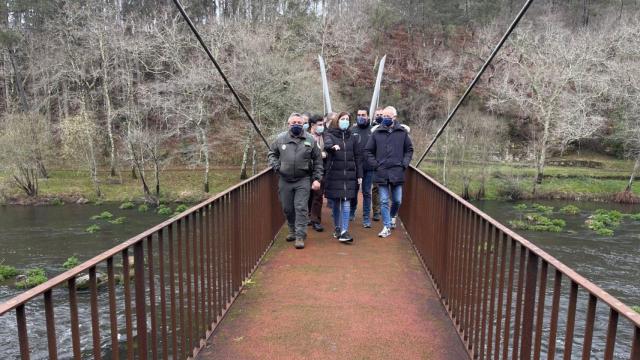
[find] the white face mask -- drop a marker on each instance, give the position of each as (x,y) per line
(320,129)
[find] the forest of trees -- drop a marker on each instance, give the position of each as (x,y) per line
(121,87)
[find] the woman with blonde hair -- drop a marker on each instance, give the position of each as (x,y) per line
(343,172)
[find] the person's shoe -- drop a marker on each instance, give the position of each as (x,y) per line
(345,237)
(366,224)
(291,237)
(309,223)
(317,227)
(336,233)
(385,232)
(376,217)
(393,222)
(299,244)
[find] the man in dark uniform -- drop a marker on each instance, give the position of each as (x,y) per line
(298,160)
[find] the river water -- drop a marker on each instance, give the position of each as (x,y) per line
(612,263)
(46,236)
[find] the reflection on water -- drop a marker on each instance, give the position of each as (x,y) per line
(610,262)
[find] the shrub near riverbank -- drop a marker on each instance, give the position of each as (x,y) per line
(513,181)
(75,187)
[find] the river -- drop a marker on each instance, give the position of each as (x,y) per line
(612,263)
(46,236)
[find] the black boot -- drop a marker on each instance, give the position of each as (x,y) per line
(317,227)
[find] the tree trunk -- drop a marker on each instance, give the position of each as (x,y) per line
(18,80)
(206,162)
(7,82)
(138,164)
(156,168)
(444,158)
(542,154)
(94,169)
(585,12)
(107,105)
(636,166)
(243,167)
(65,99)
(91,156)
(254,162)
(465,187)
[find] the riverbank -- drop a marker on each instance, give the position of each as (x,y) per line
(68,186)
(568,178)
(592,179)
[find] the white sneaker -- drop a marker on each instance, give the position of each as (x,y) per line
(393,222)
(385,232)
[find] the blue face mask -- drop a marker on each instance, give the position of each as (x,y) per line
(387,121)
(296,129)
(344,124)
(319,129)
(305,127)
(362,121)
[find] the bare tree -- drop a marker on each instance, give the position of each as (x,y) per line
(79,135)
(545,80)
(22,138)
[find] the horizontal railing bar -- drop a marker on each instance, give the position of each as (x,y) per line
(65,276)
(592,288)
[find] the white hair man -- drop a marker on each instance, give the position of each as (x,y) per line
(389,151)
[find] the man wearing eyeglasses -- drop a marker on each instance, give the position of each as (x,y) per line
(296,157)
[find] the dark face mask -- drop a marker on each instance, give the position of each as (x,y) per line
(296,130)
(379,119)
(362,121)
(387,121)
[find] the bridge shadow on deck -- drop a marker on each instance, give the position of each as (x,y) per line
(368,300)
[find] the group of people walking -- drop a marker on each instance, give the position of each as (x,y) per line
(334,157)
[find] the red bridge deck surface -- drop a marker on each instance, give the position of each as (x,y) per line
(368,300)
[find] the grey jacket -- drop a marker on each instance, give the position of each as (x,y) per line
(296,157)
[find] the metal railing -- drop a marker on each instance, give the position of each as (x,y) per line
(507,298)
(185,273)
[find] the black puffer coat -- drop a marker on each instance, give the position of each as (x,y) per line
(344,166)
(389,151)
(363,134)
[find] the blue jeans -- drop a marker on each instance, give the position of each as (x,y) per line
(341,214)
(367,182)
(396,200)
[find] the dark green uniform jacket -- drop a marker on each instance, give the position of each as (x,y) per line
(296,157)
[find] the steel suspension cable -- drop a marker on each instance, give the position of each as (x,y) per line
(473,83)
(224,77)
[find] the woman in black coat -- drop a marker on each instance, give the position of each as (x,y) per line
(343,173)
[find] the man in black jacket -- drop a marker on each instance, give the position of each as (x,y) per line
(389,152)
(362,132)
(298,160)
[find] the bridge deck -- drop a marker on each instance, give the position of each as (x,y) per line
(369,300)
